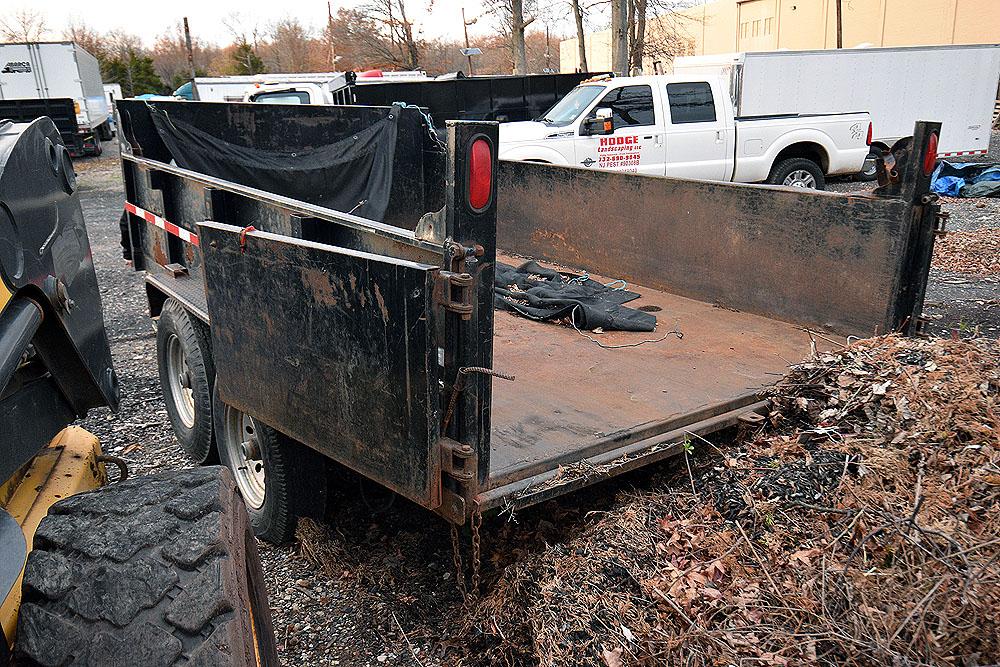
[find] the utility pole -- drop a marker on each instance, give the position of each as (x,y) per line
(840,25)
(329,37)
(465,27)
(619,36)
(548,51)
(190,55)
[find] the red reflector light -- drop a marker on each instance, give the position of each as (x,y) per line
(930,159)
(869,140)
(480,174)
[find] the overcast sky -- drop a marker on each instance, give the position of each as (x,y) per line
(150,18)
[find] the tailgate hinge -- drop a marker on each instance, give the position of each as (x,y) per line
(454,292)
(458,479)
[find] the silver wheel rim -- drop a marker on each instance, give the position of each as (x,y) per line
(868,168)
(800,178)
(180,381)
(240,440)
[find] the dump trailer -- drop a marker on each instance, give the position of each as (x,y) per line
(60,80)
(292,333)
(154,570)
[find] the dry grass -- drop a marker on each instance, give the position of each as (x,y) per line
(860,527)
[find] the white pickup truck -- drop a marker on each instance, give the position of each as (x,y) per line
(686,127)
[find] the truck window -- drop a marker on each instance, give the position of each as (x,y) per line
(691,102)
(283,97)
(630,106)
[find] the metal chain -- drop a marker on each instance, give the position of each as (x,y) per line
(476,520)
(457,559)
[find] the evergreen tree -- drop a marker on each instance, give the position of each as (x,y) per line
(134,72)
(246,61)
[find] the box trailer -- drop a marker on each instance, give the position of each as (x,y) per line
(37,79)
(376,343)
(953,85)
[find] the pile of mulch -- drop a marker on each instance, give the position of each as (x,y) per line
(860,526)
(973,252)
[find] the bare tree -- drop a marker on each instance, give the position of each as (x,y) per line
(513,17)
(170,55)
(289,48)
(581,38)
(398,45)
(23,25)
(92,41)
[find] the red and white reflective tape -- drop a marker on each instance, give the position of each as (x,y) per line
(959,153)
(162,223)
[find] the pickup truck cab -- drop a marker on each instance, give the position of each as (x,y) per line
(686,127)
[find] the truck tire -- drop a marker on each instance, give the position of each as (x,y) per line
(104,131)
(158,570)
(280,479)
(184,358)
(797,172)
(869,171)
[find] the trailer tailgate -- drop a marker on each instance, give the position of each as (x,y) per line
(338,349)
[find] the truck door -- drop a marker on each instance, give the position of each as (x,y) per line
(699,137)
(636,146)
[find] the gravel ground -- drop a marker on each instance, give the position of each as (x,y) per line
(386,593)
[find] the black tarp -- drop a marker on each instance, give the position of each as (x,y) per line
(339,176)
(543,294)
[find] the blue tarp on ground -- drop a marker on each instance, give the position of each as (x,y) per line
(971,179)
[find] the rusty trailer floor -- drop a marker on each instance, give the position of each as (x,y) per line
(571,395)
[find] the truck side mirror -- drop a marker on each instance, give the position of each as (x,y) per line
(599,123)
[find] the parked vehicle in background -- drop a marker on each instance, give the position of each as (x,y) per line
(955,85)
(320,86)
(112,92)
(687,127)
(447,97)
(60,80)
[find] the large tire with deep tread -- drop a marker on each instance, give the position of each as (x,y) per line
(196,439)
(785,167)
(295,480)
(156,571)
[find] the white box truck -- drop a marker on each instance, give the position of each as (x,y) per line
(60,80)
(954,85)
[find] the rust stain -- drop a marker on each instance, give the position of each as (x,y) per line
(321,285)
(381,304)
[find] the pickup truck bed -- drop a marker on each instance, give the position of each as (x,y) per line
(571,395)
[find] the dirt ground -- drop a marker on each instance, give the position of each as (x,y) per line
(386,592)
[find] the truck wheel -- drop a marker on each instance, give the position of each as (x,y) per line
(280,479)
(184,357)
(798,172)
(104,131)
(156,570)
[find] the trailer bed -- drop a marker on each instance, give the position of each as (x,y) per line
(572,396)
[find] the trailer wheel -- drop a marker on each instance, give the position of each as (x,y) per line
(798,172)
(156,570)
(280,479)
(184,357)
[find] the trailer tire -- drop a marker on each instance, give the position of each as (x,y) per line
(184,358)
(104,131)
(156,570)
(797,172)
(280,479)
(98,149)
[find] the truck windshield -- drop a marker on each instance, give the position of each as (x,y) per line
(569,108)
